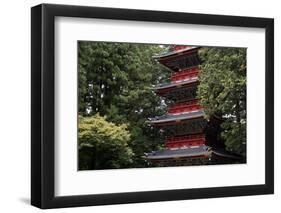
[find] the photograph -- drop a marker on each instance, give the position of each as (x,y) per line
(134,105)
(160,105)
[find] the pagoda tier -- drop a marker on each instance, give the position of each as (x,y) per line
(187,106)
(185,141)
(185,74)
(180,59)
(180,93)
(182,128)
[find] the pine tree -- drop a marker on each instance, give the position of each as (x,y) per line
(116,80)
(222,92)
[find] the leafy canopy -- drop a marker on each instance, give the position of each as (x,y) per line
(116,80)
(107,141)
(222,92)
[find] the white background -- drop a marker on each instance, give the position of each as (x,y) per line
(15,106)
(70,182)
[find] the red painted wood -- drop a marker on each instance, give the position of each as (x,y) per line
(179,47)
(185,141)
(185,74)
(185,107)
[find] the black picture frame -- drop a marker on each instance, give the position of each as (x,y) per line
(43,111)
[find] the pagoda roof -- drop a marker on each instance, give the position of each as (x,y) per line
(176,83)
(180,153)
(226,154)
(177,117)
(175,52)
(196,151)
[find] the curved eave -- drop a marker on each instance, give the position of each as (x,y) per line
(174,53)
(177,118)
(203,154)
(176,84)
(226,154)
(201,151)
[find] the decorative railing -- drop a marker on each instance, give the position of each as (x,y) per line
(185,74)
(185,141)
(185,107)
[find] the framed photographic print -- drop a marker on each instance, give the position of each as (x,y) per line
(139,106)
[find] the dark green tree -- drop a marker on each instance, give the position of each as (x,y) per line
(116,80)
(222,92)
(102,144)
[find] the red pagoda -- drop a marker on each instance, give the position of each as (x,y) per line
(184,124)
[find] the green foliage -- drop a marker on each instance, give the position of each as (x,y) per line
(234,135)
(115,80)
(103,144)
(110,73)
(222,92)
